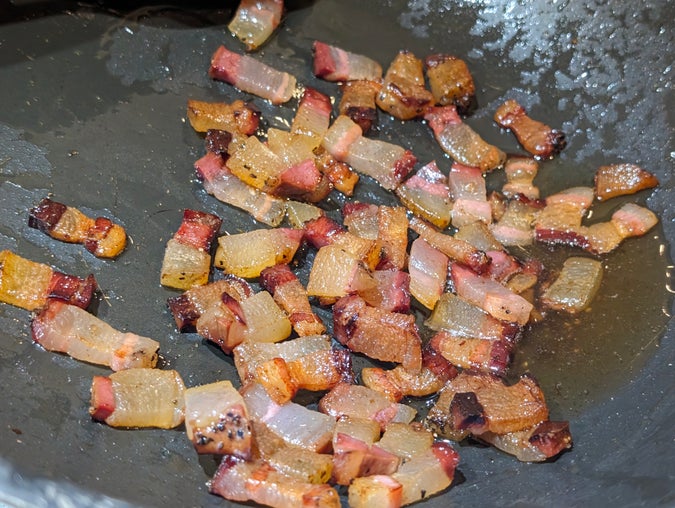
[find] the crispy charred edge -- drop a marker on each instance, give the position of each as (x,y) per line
(218,141)
(234,427)
(437,363)
(72,289)
(562,237)
(363,116)
(278,275)
(495,359)
(46,215)
(198,229)
(224,65)
(465,103)
(102,398)
(467,413)
(551,437)
(184,312)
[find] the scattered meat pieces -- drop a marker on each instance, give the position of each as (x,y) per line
(451,82)
(139,398)
(216,420)
(520,173)
(335,64)
(467,188)
(237,118)
(377,333)
(427,195)
(454,248)
(560,220)
(536,444)
(633,220)
(251,76)
(295,424)
(537,138)
(407,440)
(65,328)
(290,295)
(403,94)
(100,236)
(261,483)
(492,406)
(358,102)
(491,296)
(622,179)
(460,141)
(341,176)
(576,285)
(336,272)
(387,163)
(247,254)
(353,458)
(356,401)
(187,257)
(255,20)
(428,268)
(480,355)
(30,285)
(219,181)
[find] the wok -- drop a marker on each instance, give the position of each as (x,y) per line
(93,112)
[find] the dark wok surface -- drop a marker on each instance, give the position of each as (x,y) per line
(93,108)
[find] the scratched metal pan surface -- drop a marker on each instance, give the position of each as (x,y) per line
(93,114)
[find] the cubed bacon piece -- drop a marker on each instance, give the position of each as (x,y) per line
(403,94)
(295,424)
(68,329)
(312,116)
(265,320)
(301,464)
(385,162)
(467,188)
(324,231)
(187,257)
(460,141)
(503,266)
(302,181)
(247,254)
(139,398)
(335,64)
(427,195)
(358,102)
(216,420)
(361,219)
(576,285)
(560,220)
(248,355)
(29,285)
(463,319)
(219,181)
(214,311)
(291,295)
(633,220)
(356,401)
(342,177)
(353,458)
(251,76)
(420,477)
(392,237)
(536,444)
(480,355)
(622,179)
(255,164)
(237,118)
(398,382)
(428,268)
(494,298)
(493,407)
(391,291)
(377,333)
(99,235)
(536,137)
(520,173)
(451,82)
(255,20)
(218,142)
(336,273)
(298,213)
(516,226)
(261,483)
(406,440)
(478,234)
(454,248)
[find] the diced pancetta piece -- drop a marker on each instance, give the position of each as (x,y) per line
(358,102)
(622,179)
(575,286)
(467,188)
(236,118)
(451,82)
(403,94)
(255,20)
(428,268)
(427,195)
(335,64)
(520,173)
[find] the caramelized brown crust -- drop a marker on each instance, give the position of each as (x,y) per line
(451,82)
